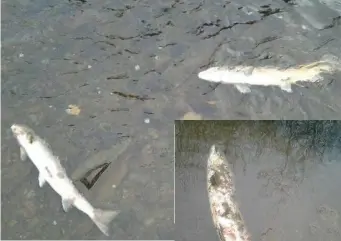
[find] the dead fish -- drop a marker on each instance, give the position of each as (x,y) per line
(226,215)
(245,76)
(52,172)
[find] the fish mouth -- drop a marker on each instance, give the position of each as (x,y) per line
(14,127)
(212,74)
(17,129)
(205,76)
(202,75)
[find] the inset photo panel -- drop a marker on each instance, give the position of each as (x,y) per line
(257,180)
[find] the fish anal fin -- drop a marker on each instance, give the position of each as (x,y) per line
(243,88)
(67,204)
(23,154)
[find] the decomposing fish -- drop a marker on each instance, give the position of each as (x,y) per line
(52,172)
(245,76)
(226,215)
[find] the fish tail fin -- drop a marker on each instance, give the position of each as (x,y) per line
(102,218)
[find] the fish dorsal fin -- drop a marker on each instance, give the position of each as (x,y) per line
(45,143)
(323,65)
(248,70)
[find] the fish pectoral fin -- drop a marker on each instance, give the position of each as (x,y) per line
(243,88)
(286,87)
(67,204)
(41,180)
(23,154)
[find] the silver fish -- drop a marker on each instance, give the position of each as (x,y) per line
(226,215)
(52,172)
(242,77)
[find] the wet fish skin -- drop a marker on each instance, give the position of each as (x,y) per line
(226,215)
(52,172)
(245,76)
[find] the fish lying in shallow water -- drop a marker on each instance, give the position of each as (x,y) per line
(52,172)
(226,215)
(245,76)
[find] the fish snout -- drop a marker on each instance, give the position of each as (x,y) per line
(17,130)
(206,75)
(212,74)
(14,128)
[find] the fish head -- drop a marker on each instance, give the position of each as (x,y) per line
(24,134)
(213,74)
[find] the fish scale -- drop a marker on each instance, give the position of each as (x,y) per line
(226,215)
